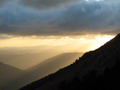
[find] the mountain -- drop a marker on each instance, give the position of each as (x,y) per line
(56,62)
(95,70)
(8,73)
(23,59)
(43,69)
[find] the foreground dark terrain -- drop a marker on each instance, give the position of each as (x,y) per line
(95,70)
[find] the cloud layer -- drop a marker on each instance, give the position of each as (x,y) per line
(46,18)
(46,4)
(3,1)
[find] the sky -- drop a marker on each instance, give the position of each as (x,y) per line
(67,23)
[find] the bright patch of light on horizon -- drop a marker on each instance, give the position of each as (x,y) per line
(81,43)
(101,40)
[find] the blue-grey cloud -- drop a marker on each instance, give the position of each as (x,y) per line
(76,19)
(3,1)
(47,4)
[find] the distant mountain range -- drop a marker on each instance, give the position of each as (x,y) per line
(95,70)
(23,59)
(8,73)
(43,69)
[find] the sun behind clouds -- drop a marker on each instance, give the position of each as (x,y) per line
(66,43)
(101,40)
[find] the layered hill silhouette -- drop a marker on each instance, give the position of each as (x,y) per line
(95,70)
(43,69)
(23,59)
(8,73)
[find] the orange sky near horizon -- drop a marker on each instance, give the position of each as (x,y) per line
(71,43)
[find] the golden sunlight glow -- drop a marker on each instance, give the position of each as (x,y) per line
(101,40)
(73,43)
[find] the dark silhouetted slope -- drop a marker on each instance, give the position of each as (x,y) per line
(43,69)
(8,73)
(95,70)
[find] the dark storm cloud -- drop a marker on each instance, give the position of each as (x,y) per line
(79,18)
(3,1)
(96,16)
(46,4)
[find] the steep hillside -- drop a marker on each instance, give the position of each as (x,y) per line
(95,70)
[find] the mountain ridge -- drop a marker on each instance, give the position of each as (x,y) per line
(57,56)
(93,69)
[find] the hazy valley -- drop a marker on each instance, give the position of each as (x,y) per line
(40,70)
